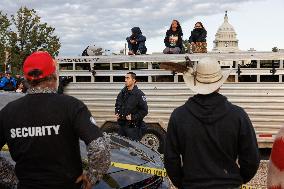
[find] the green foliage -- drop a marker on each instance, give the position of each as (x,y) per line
(4,37)
(28,35)
(185,46)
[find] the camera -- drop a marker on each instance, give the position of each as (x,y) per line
(122,116)
(65,80)
(129,123)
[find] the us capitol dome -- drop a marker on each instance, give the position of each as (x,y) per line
(226,38)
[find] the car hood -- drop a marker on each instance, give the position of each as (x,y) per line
(126,151)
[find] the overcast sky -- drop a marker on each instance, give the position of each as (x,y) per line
(79,23)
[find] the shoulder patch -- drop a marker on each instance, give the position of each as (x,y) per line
(93,121)
(144,98)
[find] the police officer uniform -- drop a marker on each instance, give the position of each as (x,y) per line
(131,102)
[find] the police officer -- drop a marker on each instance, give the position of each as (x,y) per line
(42,130)
(130,109)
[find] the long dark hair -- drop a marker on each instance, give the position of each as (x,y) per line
(178,26)
(200,23)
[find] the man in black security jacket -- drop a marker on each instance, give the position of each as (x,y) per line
(210,142)
(42,130)
(130,108)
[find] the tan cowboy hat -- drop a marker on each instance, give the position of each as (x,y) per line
(206,76)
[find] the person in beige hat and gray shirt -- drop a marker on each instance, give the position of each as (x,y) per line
(210,142)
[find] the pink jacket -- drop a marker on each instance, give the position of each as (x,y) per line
(275,176)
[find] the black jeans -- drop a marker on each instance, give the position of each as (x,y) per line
(130,131)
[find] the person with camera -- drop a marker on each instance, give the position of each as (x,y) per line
(63,82)
(130,109)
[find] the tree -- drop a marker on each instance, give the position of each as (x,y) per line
(29,34)
(4,37)
(184,46)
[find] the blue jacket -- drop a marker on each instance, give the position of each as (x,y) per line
(8,84)
(136,35)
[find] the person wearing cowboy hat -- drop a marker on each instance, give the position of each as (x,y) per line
(42,130)
(210,142)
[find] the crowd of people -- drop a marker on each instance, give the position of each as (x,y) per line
(173,40)
(20,85)
(10,83)
(210,142)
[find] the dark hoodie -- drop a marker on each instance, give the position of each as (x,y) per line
(198,35)
(136,35)
(208,134)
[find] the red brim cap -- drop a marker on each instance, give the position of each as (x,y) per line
(41,61)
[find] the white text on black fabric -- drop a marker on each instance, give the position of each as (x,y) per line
(35,131)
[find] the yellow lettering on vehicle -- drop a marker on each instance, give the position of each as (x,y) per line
(153,171)
(5,148)
(247,187)
(141,169)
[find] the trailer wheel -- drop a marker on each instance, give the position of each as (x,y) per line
(154,137)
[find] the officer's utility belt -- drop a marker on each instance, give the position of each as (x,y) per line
(129,124)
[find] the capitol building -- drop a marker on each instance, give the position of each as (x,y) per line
(226,38)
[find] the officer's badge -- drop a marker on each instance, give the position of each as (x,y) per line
(93,121)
